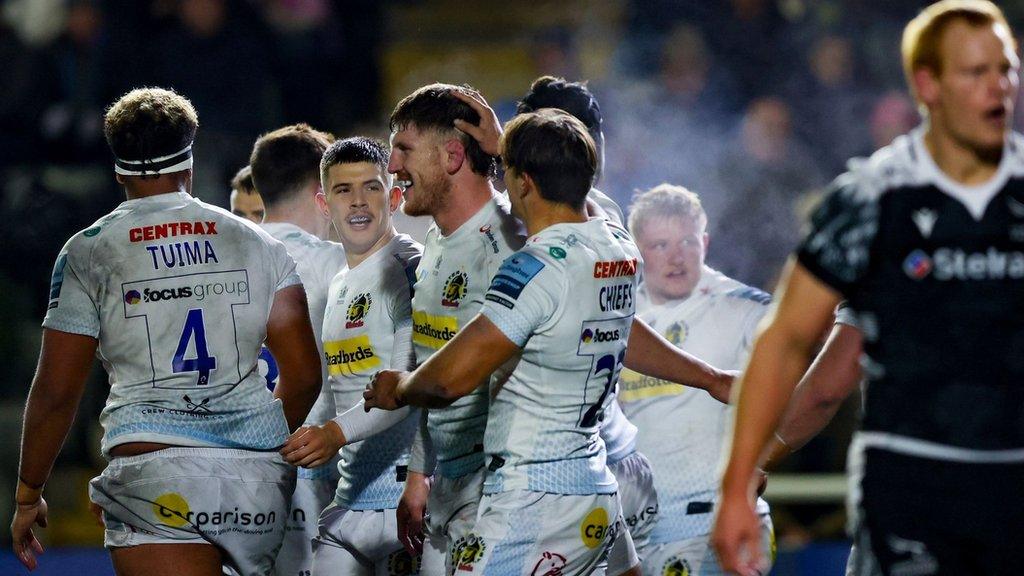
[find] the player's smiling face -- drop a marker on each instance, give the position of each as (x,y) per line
(974,95)
(673,249)
(360,202)
(417,163)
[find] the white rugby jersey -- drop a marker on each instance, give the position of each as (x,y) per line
(317,262)
(451,281)
(365,306)
(682,430)
(178,293)
(567,299)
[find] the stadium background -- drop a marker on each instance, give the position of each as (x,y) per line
(754,104)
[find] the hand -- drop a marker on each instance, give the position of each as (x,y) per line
(382,391)
(411,511)
(736,537)
(488,132)
(312,446)
(722,386)
(26,546)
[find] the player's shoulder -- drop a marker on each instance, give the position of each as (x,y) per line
(500,232)
(110,227)
(732,293)
(898,166)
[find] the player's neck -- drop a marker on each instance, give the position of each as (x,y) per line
(136,187)
(354,259)
(299,211)
(961,163)
(542,214)
(464,201)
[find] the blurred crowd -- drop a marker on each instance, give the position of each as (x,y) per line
(754,104)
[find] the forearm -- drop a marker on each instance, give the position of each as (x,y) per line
(49,414)
(424,388)
(358,424)
(776,364)
(297,396)
(649,353)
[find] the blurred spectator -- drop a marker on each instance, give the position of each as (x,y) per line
(669,128)
(833,104)
(78,88)
(893,114)
(20,105)
(215,53)
(763,175)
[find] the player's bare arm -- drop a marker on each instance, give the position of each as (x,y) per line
(64,362)
(650,353)
(781,354)
(832,377)
(453,372)
(290,339)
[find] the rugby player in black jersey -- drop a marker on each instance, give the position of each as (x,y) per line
(926,241)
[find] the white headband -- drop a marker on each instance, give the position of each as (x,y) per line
(176,162)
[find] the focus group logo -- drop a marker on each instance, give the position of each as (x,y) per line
(199,292)
(958,264)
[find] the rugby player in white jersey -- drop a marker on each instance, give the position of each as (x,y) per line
(549,502)
(445,175)
(286,171)
(682,430)
(175,297)
(367,327)
(245,201)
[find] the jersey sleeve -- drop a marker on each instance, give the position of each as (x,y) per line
(283,266)
(523,295)
(838,247)
(846,315)
(73,307)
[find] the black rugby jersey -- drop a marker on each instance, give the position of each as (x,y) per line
(935,273)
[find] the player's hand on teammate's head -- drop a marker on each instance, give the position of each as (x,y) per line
(26,545)
(312,446)
(382,391)
(412,511)
(488,132)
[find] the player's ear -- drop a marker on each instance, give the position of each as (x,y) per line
(706,240)
(394,199)
(119,178)
(455,155)
(321,203)
(529,186)
(926,85)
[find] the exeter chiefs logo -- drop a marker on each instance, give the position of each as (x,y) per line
(455,289)
(357,310)
(401,564)
(676,566)
(467,551)
(676,333)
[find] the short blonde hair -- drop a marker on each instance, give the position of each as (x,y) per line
(665,201)
(923,34)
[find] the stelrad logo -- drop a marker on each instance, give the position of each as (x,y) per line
(957,264)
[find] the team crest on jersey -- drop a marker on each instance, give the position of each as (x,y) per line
(357,310)
(467,551)
(676,566)
(455,289)
(677,332)
(550,564)
(401,564)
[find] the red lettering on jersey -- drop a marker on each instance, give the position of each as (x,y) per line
(615,268)
(169,229)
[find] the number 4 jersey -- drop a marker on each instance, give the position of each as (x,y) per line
(178,293)
(567,299)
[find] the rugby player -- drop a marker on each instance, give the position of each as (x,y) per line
(245,201)
(367,326)
(286,170)
(682,430)
(444,174)
(175,297)
(924,236)
(549,502)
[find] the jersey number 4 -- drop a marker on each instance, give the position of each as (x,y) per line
(203,363)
